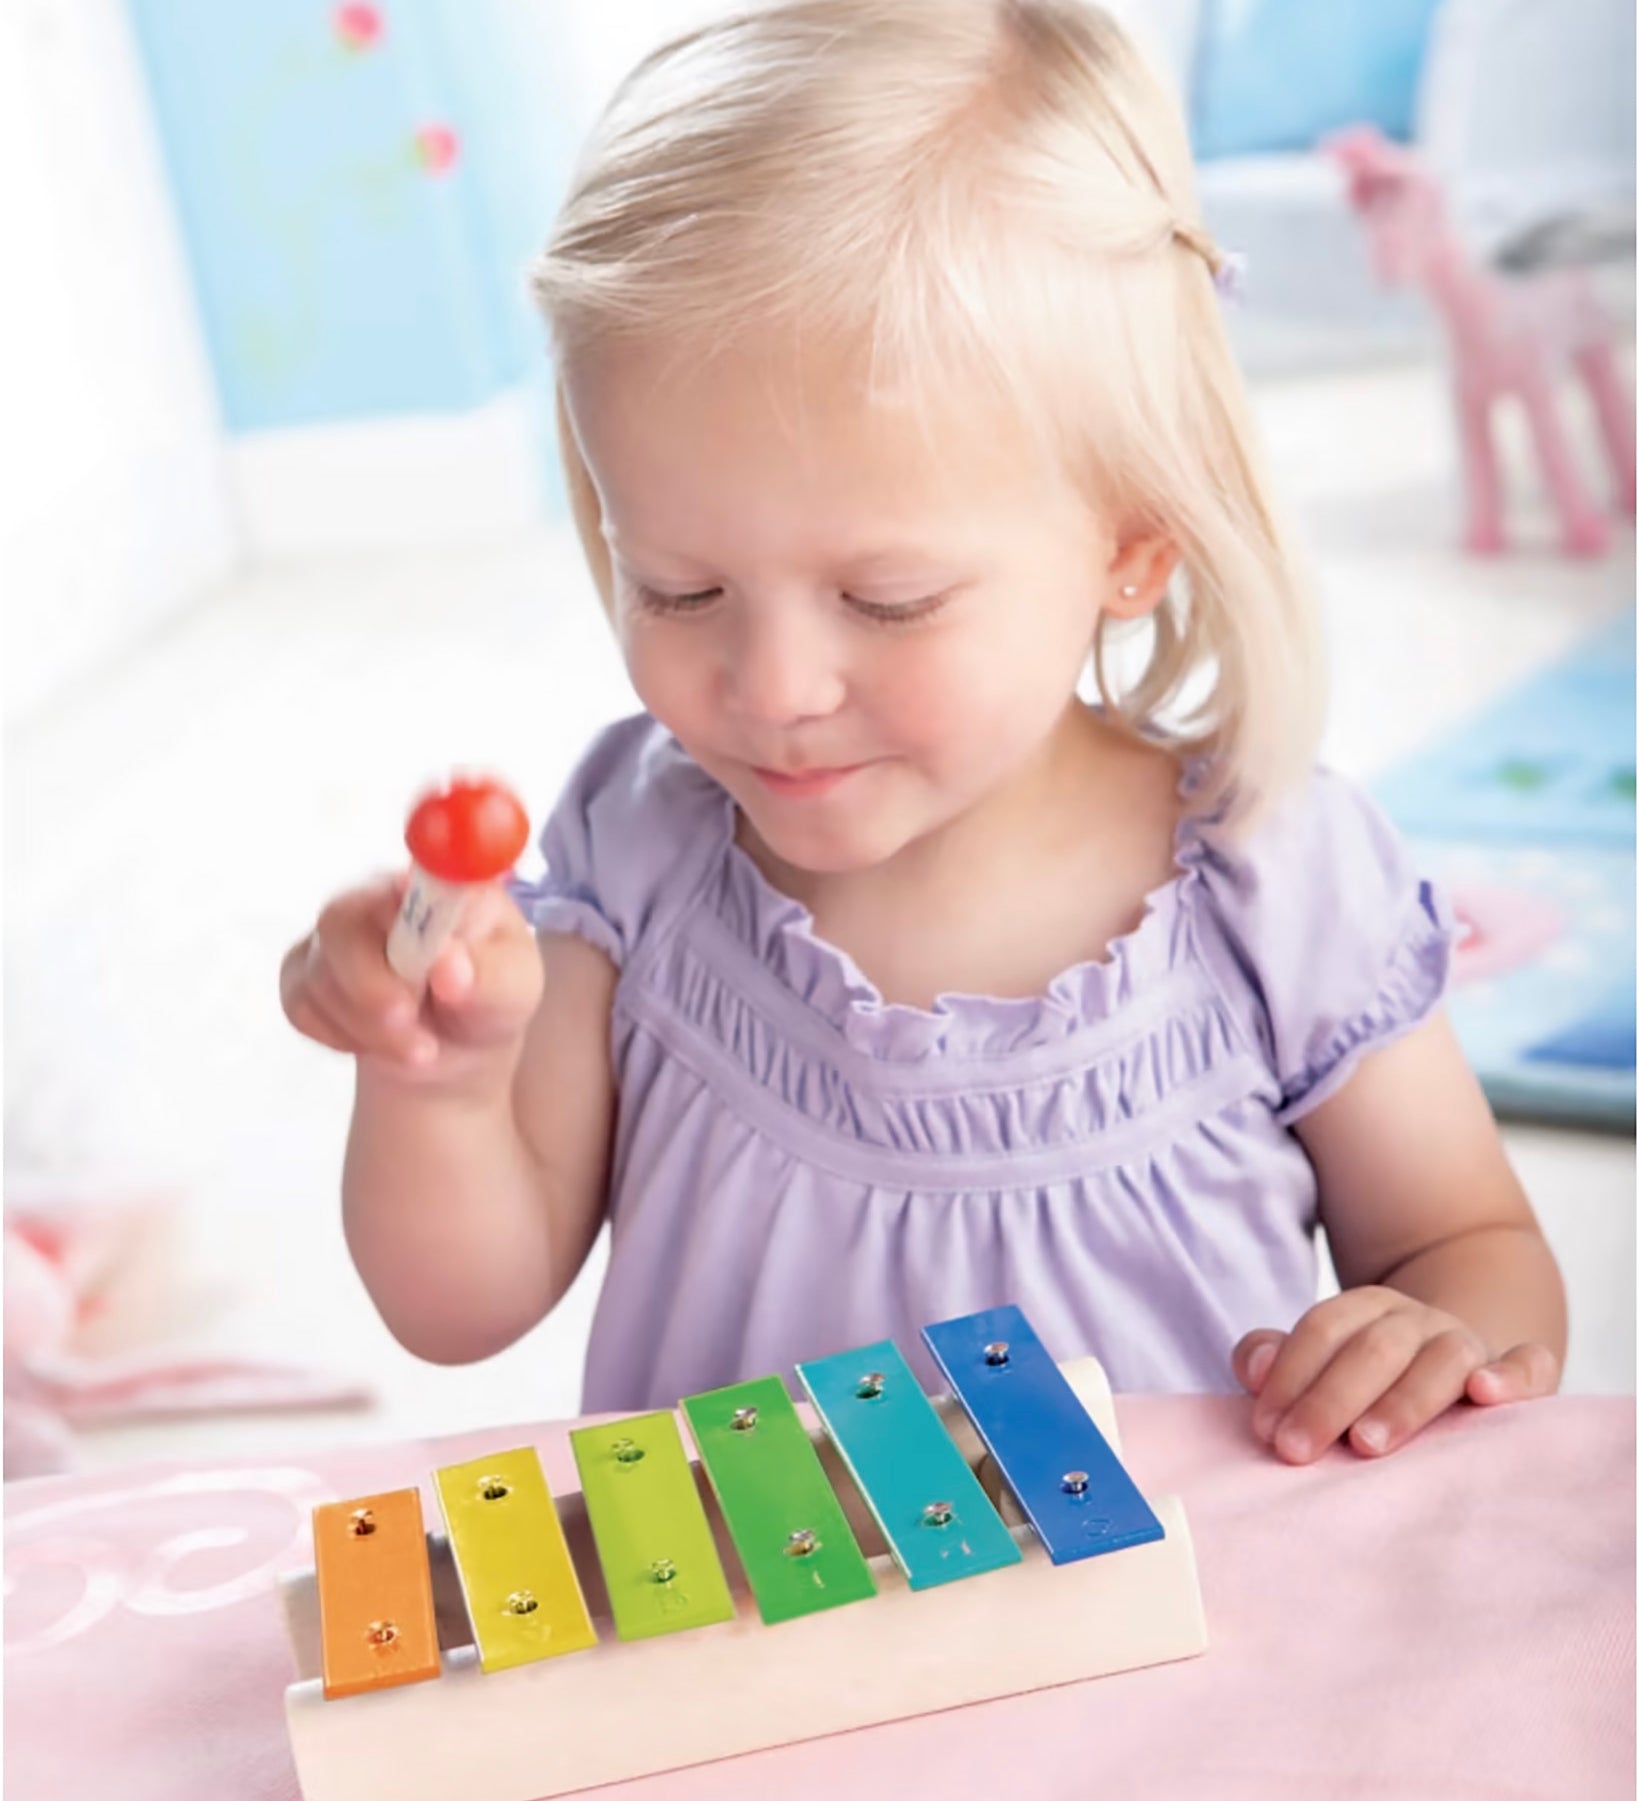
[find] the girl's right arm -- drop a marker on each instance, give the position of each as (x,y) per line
(477,1163)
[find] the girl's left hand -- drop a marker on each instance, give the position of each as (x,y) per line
(1376,1365)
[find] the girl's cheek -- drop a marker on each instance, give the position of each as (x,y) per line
(666,673)
(950,694)
(929,712)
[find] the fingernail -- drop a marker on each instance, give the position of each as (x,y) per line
(457,970)
(1264,1424)
(1257,1364)
(1372,1434)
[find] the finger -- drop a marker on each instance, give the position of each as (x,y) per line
(1524,1373)
(1434,1382)
(413,1048)
(314,1024)
(489,912)
(1254,1356)
(485,991)
(485,952)
(349,946)
(453,973)
(398,1035)
(293,979)
(1309,1347)
(303,981)
(376,900)
(1362,1370)
(397,1031)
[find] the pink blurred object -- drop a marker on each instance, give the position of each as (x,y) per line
(436,148)
(1506,928)
(89,1287)
(1507,337)
(359,27)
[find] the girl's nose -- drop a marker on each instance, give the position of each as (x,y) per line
(782,669)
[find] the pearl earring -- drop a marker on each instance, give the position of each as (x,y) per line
(1129,591)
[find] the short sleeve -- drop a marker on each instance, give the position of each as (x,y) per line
(625,842)
(1322,928)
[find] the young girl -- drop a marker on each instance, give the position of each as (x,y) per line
(876,977)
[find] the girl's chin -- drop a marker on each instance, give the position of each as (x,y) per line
(820,846)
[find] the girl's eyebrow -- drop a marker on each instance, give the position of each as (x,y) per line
(905,556)
(640,557)
(882,559)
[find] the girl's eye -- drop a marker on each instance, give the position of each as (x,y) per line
(653,600)
(904,613)
(656,602)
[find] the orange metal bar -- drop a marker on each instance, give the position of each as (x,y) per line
(375,1593)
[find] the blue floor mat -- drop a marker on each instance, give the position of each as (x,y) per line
(1525,815)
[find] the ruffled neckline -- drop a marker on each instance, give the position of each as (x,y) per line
(781,934)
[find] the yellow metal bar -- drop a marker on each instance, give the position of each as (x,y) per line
(521,1589)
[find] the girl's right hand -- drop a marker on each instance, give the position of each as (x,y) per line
(338,988)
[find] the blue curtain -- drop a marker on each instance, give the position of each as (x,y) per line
(360,188)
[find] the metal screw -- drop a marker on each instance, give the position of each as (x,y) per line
(744,1419)
(521,1601)
(361,1522)
(801,1544)
(664,1569)
(1075,1482)
(383,1634)
(492,1488)
(627,1450)
(998,1353)
(938,1513)
(870,1386)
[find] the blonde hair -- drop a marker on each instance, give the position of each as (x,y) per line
(999,185)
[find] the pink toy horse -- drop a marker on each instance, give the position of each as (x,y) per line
(1507,336)
(89,1298)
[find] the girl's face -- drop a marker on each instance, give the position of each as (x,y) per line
(858,626)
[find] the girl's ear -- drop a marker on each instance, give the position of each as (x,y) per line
(584,504)
(1138,575)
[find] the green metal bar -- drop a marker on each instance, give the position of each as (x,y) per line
(653,1540)
(799,1553)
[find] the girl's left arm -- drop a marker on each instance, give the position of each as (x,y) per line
(1449,1289)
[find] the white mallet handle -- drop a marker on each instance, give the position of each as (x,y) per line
(431,911)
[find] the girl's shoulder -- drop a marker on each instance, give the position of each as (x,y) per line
(1322,841)
(1320,921)
(634,831)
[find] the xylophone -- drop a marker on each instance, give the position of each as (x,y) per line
(883,1503)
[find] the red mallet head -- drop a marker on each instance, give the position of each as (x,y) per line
(473,830)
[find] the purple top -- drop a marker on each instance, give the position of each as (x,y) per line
(800,1167)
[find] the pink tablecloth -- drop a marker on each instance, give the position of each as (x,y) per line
(1455,1622)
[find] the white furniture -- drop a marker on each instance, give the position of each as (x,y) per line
(1525,109)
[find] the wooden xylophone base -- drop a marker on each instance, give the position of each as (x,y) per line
(622,1710)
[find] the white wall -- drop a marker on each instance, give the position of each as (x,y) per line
(114,510)
(610,39)
(607,42)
